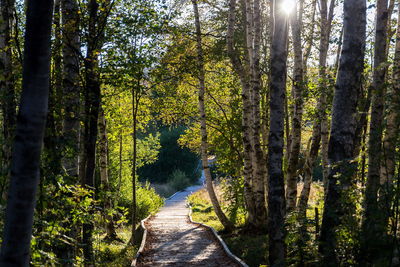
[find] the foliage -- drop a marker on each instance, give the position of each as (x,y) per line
(171,158)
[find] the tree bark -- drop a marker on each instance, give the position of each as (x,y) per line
(135,109)
(341,143)
(276,190)
(71,87)
(246,118)
(298,87)
(29,135)
(92,105)
(393,119)
(253,39)
(103,165)
(7,85)
(204,143)
(373,227)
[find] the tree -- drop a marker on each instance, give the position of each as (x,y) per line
(29,135)
(254,171)
(7,84)
(320,124)
(71,85)
(276,190)
(104,177)
(203,128)
(373,225)
(341,143)
(298,88)
(95,38)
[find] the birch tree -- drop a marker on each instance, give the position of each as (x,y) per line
(203,128)
(373,225)
(7,83)
(298,88)
(341,143)
(71,85)
(27,147)
(276,190)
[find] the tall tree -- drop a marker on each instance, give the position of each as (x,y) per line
(393,120)
(253,43)
(248,152)
(373,225)
(201,75)
(341,143)
(325,32)
(97,21)
(104,177)
(29,135)
(276,190)
(71,85)
(298,88)
(7,83)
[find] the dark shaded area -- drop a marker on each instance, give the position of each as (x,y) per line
(172,157)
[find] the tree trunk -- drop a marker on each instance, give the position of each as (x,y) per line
(135,108)
(276,190)
(340,153)
(373,227)
(246,116)
(326,27)
(71,87)
(7,85)
(393,118)
(253,39)
(92,105)
(105,185)
(204,143)
(27,147)
(320,122)
(298,85)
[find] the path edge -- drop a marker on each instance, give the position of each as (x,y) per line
(143,243)
(144,237)
(219,238)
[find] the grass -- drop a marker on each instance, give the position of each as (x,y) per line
(250,247)
(117,253)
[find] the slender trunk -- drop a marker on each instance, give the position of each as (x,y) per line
(135,108)
(373,226)
(247,147)
(253,40)
(105,185)
(298,85)
(120,164)
(92,105)
(204,143)
(276,190)
(71,87)
(320,122)
(393,119)
(340,153)
(7,85)
(27,147)
(310,40)
(326,26)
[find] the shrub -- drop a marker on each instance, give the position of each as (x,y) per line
(179,180)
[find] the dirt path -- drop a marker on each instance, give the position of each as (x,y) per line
(173,241)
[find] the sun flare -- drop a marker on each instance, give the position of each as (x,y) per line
(287,6)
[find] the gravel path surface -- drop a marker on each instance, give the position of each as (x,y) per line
(173,241)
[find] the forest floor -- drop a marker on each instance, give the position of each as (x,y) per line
(250,247)
(173,240)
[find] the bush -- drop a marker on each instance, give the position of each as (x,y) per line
(171,157)
(179,180)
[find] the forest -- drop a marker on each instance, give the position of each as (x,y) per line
(287,110)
